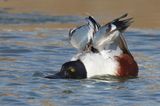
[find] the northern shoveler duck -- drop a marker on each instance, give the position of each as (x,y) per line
(102,50)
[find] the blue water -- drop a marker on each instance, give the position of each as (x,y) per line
(34,18)
(27,56)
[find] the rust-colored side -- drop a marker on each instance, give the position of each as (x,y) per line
(127,66)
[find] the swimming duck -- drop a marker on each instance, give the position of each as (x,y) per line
(105,52)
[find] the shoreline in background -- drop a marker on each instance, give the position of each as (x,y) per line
(146,13)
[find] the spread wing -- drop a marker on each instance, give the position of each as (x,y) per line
(82,36)
(110,35)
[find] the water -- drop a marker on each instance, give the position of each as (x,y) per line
(27,56)
(34,18)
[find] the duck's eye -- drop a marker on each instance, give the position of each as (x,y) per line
(71,69)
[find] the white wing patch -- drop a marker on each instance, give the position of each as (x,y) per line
(90,34)
(113,27)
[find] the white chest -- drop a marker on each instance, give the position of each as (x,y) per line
(98,64)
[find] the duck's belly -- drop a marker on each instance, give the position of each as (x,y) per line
(97,64)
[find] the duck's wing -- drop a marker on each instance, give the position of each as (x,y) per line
(78,37)
(122,25)
(123,45)
(104,37)
(107,36)
(93,23)
(82,36)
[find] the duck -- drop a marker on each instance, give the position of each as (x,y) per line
(102,50)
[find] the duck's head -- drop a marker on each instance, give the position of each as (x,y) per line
(70,70)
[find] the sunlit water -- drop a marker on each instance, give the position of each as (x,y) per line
(27,56)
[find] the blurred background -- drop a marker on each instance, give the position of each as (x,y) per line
(34,43)
(146,13)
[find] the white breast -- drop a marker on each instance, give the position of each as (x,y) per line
(102,63)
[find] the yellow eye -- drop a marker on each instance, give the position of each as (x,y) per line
(71,69)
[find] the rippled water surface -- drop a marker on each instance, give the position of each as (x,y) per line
(27,56)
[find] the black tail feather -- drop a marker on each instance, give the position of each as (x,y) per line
(123,16)
(122,25)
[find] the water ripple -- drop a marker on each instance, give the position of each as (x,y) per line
(24,18)
(27,56)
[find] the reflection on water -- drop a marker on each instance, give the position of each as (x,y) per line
(26,56)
